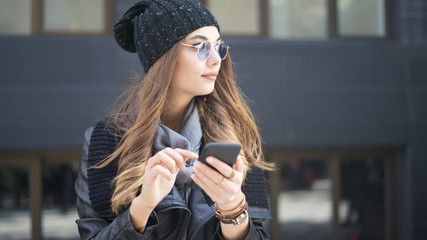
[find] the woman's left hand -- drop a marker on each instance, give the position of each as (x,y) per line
(224,190)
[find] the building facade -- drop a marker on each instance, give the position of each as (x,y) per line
(338,88)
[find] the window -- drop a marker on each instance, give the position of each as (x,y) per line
(362,204)
(361,18)
(298,19)
(74,16)
(237,17)
(304,201)
(336,193)
(38,197)
(15,17)
(15,220)
(303,19)
(25,17)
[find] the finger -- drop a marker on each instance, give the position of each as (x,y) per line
(178,159)
(230,186)
(217,192)
(207,173)
(219,165)
(160,171)
(162,158)
(187,154)
(180,156)
(239,165)
(207,187)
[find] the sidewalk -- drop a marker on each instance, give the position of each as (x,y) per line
(15,224)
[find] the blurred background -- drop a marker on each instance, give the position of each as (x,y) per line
(338,88)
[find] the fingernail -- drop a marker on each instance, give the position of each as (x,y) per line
(209,160)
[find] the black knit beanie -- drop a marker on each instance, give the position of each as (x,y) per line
(151,27)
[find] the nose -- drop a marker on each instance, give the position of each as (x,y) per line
(213,58)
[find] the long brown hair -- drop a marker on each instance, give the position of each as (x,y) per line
(224,116)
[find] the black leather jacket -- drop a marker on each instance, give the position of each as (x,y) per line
(171,219)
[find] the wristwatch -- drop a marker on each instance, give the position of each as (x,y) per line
(241,218)
(236,218)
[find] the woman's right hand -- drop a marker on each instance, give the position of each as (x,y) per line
(159,178)
(161,172)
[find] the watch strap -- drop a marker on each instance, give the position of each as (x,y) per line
(235,218)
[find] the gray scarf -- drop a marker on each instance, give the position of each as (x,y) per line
(189,137)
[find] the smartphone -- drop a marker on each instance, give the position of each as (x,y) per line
(226,152)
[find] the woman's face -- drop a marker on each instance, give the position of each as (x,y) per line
(192,76)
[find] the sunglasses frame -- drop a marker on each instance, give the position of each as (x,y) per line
(216,47)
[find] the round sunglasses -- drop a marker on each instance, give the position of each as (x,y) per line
(204,48)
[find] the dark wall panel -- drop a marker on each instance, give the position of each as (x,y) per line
(312,94)
(319,94)
(52,88)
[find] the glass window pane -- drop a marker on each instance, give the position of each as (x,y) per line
(15,219)
(362,208)
(59,210)
(74,16)
(305,204)
(361,18)
(237,17)
(301,19)
(15,16)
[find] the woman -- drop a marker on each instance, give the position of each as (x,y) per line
(139,178)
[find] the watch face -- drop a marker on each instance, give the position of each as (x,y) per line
(241,218)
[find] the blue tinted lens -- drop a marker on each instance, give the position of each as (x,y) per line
(222,50)
(204,49)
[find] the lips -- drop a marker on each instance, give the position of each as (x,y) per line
(211,76)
